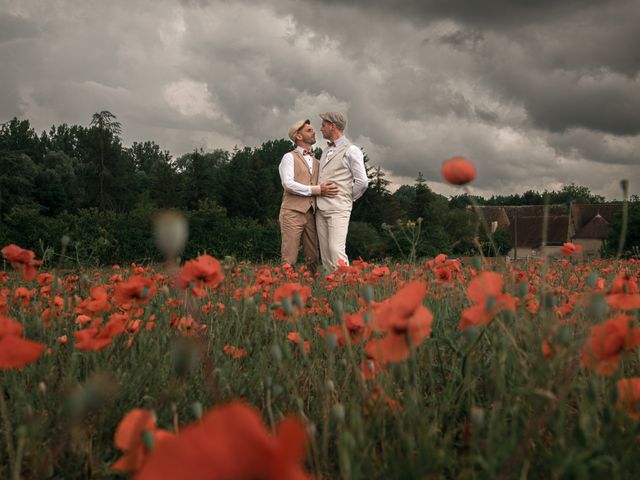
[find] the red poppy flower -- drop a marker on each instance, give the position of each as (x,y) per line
(23,296)
(234,352)
(95,303)
(15,351)
(607,341)
(354,325)
(297,339)
(485,291)
(569,249)
(230,442)
(405,321)
(204,271)
(129,439)
(135,290)
(22,260)
(458,171)
(629,396)
(45,279)
(95,338)
(624,293)
(297,293)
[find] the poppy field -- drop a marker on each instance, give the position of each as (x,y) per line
(226,370)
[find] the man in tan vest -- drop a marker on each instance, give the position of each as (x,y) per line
(342,164)
(299,175)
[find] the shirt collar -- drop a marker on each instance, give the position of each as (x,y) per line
(340,141)
(300,150)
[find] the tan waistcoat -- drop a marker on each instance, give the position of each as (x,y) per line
(332,170)
(301,174)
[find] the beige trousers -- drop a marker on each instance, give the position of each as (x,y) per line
(332,235)
(294,228)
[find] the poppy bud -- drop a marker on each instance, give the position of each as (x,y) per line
(564,336)
(624,185)
(477,417)
(330,386)
(592,279)
(196,408)
(523,289)
(367,293)
(338,412)
(148,440)
(297,299)
(332,341)
(277,390)
(597,308)
(171,232)
(276,353)
(476,262)
(287,306)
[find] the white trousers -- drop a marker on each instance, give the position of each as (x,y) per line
(332,230)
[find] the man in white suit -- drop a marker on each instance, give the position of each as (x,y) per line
(342,164)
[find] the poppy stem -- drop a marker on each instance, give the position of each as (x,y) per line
(625,223)
(6,426)
(17,466)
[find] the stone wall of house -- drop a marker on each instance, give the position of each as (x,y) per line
(590,246)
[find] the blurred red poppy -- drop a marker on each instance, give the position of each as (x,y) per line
(607,341)
(458,171)
(15,351)
(629,396)
(22,260)
(404,320)
(204,271)
(230,442)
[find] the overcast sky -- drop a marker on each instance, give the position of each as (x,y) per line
(536,93)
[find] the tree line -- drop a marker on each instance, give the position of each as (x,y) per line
(78,194)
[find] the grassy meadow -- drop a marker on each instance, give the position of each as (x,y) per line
(230,370)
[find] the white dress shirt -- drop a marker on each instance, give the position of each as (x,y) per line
(353,160)
(287,173)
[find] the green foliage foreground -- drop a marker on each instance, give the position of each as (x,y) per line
(476,403)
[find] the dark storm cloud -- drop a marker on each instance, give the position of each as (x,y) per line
(537,94)
(13,27)
(486,14)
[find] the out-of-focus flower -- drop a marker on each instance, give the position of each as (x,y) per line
(629,396)
(130,439)
(230,442)
(171,231)
(458,171)
(15,351)
(204,271)
(485,291)
(234,352)
(404,320)
(135,290)
(22,260)
(569,249)
(607,341)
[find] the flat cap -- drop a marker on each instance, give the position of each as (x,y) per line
(339,118)
(295,128)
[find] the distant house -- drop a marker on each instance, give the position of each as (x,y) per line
(591,223)
(583,224)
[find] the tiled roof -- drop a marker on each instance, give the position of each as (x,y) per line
(529,230)
(598,227)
